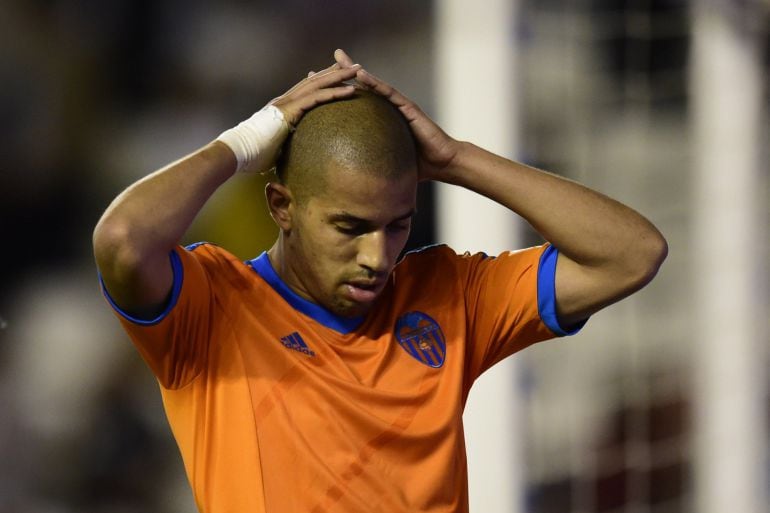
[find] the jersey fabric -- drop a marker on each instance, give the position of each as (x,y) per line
(279,406)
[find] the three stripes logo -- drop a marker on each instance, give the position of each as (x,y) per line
(294,341)
(420,336)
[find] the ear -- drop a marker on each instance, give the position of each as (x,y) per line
(280,202)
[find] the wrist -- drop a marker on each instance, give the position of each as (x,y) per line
(454,170)
(256,142)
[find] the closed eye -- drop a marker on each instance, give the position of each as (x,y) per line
(400,226)
(353,226)
(354,230)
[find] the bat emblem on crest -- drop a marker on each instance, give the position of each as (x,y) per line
(421,337)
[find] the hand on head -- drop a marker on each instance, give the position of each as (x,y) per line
(437,149)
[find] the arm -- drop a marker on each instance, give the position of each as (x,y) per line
(607,250)
(135,235)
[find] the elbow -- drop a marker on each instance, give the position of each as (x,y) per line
(656,251)
(107,240)
(648,257)
(114,251)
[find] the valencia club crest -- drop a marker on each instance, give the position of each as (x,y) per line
(420,336)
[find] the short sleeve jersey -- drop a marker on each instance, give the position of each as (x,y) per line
(278,406)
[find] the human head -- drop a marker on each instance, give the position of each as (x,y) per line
(365,132)
(346,192)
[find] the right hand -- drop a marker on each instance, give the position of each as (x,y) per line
(317,88)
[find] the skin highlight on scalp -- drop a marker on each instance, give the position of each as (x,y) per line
(364,133)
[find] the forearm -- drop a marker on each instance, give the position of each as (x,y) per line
(588,227)
(152,214)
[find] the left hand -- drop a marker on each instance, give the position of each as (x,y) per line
(437,150)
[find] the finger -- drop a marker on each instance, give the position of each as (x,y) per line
(342,58)
(324,79)
(313,76)
(333,67)
(296,86)
(326,95)
(294,110)
(382,88)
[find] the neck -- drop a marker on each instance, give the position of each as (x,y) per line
(277,255)
(279,259)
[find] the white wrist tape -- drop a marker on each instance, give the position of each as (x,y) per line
(257,140)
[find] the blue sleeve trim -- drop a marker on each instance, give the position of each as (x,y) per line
(546,294)
(177,269)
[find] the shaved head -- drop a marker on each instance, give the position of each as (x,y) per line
(363,133)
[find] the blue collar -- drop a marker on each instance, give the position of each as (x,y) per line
(343,325)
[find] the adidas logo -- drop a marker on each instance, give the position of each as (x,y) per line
(294,341)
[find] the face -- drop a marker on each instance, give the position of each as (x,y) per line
(344,241)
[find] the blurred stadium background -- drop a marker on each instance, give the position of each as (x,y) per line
(661,405)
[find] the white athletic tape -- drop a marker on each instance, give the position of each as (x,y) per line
(257,140)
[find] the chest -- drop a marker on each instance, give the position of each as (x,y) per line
(394,364)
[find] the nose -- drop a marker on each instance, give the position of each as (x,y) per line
(373,251)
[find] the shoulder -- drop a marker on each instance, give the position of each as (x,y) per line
(209,252)
(426,257)
(431,266)
(427,252)
(216,261)
(439,258)
(444,263)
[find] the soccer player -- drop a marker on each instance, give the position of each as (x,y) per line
(323,375)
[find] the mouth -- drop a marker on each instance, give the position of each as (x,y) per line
(362,291)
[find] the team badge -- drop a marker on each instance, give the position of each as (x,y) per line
(420,336)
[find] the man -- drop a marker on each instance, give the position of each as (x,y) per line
(322,375)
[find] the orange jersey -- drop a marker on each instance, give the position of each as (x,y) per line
(279,406)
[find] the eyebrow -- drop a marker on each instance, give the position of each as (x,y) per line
(347,217)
